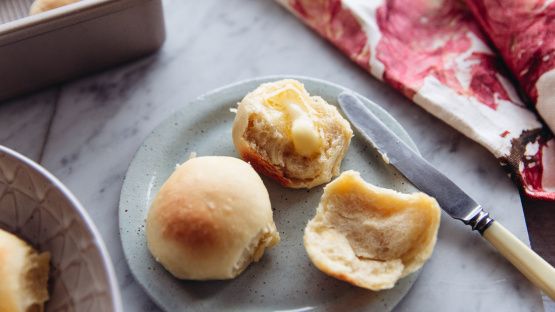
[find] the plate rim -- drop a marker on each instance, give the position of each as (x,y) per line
(260,79)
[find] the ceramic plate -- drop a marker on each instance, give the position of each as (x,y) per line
(284,279)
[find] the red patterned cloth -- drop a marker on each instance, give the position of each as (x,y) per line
(436,55)
(523,31)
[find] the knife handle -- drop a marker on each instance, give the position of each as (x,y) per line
(529,263)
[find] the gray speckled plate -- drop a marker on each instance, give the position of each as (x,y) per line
(284,279)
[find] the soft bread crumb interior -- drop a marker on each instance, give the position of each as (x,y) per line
(267,238)
(370,236)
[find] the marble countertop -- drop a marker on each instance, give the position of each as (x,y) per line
(86,132)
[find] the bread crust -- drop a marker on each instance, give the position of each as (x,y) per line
(194,229)
(263,166)
(40,6)
(210,219)
(23,275)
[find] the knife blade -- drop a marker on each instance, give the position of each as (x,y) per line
(415,168)
(450,197)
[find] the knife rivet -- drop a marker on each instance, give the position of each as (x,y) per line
(480,222)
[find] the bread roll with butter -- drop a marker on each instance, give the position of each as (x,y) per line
(44,5)
(211,219)
(23,275)
(371,236)
(297,139)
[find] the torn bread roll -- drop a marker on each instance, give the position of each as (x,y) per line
(211,219)
(297,139)
(23,275)
(40,6)
(371,236)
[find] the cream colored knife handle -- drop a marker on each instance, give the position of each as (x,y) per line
(534,267)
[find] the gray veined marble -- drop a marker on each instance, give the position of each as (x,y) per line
(24,122)
(86,132)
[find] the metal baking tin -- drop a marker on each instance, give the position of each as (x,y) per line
(70,41)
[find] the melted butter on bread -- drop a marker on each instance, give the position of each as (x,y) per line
(303,131)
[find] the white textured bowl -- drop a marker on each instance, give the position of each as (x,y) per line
(36,206)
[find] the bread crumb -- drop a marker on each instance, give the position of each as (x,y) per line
(233,110)
(191,156)
(385,158)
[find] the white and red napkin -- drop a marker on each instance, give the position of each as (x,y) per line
(436,54)
(523,31)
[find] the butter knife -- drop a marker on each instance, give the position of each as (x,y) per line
(450,197)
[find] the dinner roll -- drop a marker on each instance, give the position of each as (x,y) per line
(44,5)
(371,236)
(211,219)
(23,275)
(284,133)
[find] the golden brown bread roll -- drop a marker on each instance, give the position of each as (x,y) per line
(211,219)
(371,236)
(23,275)
(297,139)
(44,5)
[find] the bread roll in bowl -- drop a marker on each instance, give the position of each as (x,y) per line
(40,6)
(23,275)
(211,219)
(284,133)
(371,236)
